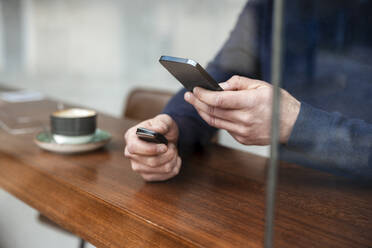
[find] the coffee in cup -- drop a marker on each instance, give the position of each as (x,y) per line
(73,126)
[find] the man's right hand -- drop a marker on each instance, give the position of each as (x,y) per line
(154,162)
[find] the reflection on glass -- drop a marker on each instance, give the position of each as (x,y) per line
(328,67)
(15,117)
(94,52)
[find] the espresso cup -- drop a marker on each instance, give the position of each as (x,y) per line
(73,126)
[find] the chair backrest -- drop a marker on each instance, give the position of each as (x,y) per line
(143,104)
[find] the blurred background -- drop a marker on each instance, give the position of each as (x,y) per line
(82,50)
(93,53)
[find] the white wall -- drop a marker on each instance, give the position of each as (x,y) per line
(93,52)
(1,40)
(81,51)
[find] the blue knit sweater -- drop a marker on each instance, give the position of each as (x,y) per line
(327,66)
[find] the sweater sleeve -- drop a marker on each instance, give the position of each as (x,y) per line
(239,55)
(330,142)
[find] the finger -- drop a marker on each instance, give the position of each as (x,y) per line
(140,147)
(164,169)
(128,133)
(161,177)
(224,124)
(241,83)
(166,119)
(231,115)
(224,99)
(154,161)
(252,138)
(241,139)
(171,130)
(159,124)
(163,124)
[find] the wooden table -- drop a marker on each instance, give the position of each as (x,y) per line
(216,201)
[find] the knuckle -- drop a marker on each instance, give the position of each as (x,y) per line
(219,100)
(148,178)
(210,110)
(176,172)
(168,158)
(152,149)
(152,162)
(163,127)
(135,167)
(235,78)
(212,121)
(246,118)
(129,132)
(171,149)
(126,152)
(177,169)
(174,152)
(240,139)
(196,92)
(131,148)
(168,168)
(243,130)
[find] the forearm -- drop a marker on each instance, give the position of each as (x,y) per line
(330,142)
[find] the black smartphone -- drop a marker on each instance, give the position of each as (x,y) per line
(151,136)
(189,73)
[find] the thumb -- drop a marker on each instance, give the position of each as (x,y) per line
(164,124)
(169,126)
(236,83)
(158,124)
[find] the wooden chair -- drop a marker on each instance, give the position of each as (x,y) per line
(143,104)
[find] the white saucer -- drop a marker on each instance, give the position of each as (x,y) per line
(72,140)
(45,141)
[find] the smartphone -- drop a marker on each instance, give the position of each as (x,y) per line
(151,136)
(189,73)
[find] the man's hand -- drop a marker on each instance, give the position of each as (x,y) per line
(154,162)
(244,109)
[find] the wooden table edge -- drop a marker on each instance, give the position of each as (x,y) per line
(35,201)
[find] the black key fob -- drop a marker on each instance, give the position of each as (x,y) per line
(151,136)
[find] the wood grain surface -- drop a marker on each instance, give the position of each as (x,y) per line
(218,200)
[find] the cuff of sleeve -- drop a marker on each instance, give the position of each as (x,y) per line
(311,129)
